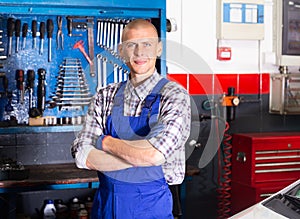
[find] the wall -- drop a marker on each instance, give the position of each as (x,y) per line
(191,58)
(196,23)
(37,148)
(196,67)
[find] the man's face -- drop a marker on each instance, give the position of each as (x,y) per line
(140,49)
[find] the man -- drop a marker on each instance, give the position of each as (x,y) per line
(135,133)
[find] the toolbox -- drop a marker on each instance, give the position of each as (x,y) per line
(262,164)
(55,55)
(265,157)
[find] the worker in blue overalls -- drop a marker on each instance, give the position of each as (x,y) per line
(135,133)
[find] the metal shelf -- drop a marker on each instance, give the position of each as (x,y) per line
(39,129)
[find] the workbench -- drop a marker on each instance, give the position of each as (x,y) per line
(44,178)
(52,176)
(65,176)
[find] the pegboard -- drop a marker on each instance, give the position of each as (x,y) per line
(96,30)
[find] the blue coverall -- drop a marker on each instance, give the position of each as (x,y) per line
(137,192)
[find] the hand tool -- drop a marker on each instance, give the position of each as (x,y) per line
(104,70)
(59,35)
(24,34)
(10,31)
(101,32)
(79,45)
(116,36)
(70,76)
(34,30)
(108,33)
(69,26)
(41,92)
(113,30)
(98,31)
(30,86)
(71,86)
(112,35)
(104,33)
(90,23)
(50,28)
(20,84)
(86,94)
(56,98)
(17,33)
(116,75)
(71,80)
(62,90)
(54,104)
(42,36)
(80,24)
(99,72)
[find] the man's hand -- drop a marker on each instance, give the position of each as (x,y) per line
(102,161)
(137,152)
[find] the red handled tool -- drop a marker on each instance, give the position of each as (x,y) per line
(79,45)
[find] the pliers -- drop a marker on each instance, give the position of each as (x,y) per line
(59,35)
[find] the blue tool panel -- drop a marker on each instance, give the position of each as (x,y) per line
(53,59)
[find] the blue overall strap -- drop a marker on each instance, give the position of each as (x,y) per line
(118,99)
(151,105)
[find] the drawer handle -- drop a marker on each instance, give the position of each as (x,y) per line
(241,157)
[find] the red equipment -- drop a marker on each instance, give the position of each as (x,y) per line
(262,164)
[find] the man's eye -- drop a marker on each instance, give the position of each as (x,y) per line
(130,45)
(147,44)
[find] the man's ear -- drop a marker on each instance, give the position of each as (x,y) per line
(159,49)
(120,49)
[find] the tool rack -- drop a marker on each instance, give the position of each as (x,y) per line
(91,30)
(55,55)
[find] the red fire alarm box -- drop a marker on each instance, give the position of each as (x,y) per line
(224,53)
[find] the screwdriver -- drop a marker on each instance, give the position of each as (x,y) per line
(17,33)
(20,84)
(49,36)
(42,36)
(34,29)
(41,90)
(24,34)
(30,86)
(10,31)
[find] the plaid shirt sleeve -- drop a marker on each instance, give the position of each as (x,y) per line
(174,122)
(94,125)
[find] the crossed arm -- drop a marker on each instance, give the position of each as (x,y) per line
(119,154)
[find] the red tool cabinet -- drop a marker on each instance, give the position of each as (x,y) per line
(262,164)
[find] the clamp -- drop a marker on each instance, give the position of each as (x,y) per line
(60,35)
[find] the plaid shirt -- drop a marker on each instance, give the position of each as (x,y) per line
(175,115)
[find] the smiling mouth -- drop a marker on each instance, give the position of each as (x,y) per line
(140,62)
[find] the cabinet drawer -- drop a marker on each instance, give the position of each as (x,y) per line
(244,196)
